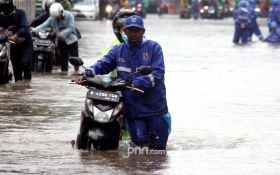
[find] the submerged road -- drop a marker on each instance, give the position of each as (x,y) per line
(224,101)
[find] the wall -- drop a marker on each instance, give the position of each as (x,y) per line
(28,6)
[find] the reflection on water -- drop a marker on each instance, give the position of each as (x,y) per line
(224,101)
(132,164)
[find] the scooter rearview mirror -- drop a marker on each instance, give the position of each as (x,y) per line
(76,61)
(145,70)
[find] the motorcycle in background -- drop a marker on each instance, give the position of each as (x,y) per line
(44,51)
(211,10)
(100,119)
(112,8)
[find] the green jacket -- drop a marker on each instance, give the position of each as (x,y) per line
(66,5)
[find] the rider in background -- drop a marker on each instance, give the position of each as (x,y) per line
(253,25)
(102,9)
(274,14)
(241,25)
(195,9)
(63,27)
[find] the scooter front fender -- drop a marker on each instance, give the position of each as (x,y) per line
(96,134)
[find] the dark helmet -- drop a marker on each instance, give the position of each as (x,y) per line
(48,4)
(7,6)
(119,22)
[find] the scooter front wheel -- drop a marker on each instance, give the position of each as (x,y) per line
(82,142)
(82,137)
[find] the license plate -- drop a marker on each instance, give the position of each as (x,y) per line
(38,42)
(103,95)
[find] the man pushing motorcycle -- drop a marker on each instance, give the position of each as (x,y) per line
(22,50)
(149,121)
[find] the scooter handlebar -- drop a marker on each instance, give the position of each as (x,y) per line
(96,82)
(135,89)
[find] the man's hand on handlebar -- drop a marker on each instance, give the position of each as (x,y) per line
(13,37)
(80,79)
(133,87)
(59,36)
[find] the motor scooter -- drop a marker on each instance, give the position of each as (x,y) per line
(100,119)
(44,51)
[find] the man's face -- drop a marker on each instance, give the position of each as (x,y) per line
(134,34)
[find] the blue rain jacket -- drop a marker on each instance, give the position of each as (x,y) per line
(241,16)
(253,25)
(126,59)
(274,15)
(273,37)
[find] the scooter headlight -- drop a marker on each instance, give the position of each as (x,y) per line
(108,8)
(102,117)
(40,57)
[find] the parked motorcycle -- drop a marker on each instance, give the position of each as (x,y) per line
(44,51)
(100,127)
(5,75)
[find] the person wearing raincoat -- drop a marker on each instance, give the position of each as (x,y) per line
(241,23)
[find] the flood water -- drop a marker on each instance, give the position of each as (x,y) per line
(224,101)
